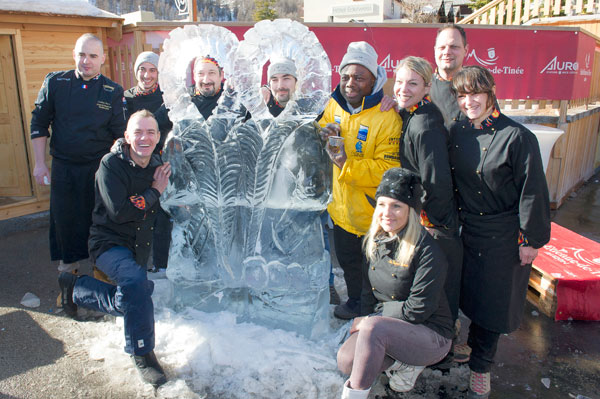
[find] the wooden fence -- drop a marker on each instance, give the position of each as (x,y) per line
(518,12)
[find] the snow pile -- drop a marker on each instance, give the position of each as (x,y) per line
(209,355)
(61,7)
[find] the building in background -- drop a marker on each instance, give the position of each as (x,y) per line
(390,11)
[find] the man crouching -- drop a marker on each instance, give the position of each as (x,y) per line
(129,182)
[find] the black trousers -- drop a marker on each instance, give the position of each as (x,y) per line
(161,239)
(348,251)
(71,206)
(484,344)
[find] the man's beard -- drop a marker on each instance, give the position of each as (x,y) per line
(208,90)
(283,96)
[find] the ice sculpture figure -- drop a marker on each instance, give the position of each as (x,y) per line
(246,195)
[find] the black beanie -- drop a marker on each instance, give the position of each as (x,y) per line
(399,184)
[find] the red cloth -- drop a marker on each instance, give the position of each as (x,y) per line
(575,262)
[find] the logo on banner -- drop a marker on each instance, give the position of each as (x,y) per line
(555,66)
(389,64)
(587,71)
(573,256)
(588,57)
(490,63)
(491,57)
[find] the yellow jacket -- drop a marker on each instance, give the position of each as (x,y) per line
(372,144)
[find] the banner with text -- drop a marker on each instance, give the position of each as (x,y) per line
(526,63)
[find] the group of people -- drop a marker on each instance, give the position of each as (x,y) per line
(439,202)
(457,226)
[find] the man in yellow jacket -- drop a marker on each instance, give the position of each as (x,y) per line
(370,146)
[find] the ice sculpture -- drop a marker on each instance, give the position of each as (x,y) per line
(246,195)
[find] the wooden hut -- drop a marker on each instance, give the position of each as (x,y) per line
(36,37)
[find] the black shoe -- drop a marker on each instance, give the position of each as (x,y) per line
(445,364)
(348,310)
(334,298)
(149,369)
(66,282)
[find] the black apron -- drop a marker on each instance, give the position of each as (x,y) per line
(494,284)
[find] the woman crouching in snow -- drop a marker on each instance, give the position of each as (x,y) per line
(412,326)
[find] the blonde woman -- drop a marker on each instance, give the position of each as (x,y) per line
(424,151)
(412,326)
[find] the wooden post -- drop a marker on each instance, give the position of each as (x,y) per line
(562,115)
(557,7)
(590,6)
(526,11)
(192,10)
(518,12)
(536,8)
(119,59)
(568,7)
(547,8)
(139,38)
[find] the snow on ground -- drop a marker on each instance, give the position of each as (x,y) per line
(62,7)
(209,355)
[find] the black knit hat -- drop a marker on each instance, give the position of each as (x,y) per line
(400,184)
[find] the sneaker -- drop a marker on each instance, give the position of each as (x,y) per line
(479,385)
(462,353)
(66,282)
(403,376)
(348,310)
(149,369)
(334,298)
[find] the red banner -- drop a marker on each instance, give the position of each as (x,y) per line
(574,261)
(527,63)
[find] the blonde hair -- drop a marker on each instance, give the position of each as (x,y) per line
(406,244)
(419,65)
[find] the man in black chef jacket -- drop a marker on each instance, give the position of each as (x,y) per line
(86,113)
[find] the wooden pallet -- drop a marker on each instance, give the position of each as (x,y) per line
(542,291)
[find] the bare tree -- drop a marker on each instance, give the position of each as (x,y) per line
(417,11)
